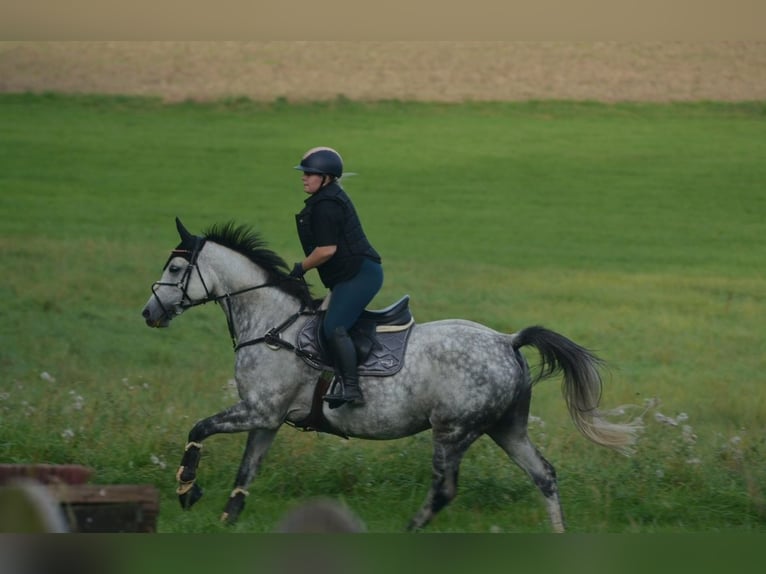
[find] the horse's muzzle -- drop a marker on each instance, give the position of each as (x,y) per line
(155,316)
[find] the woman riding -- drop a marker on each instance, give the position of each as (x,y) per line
(336,246)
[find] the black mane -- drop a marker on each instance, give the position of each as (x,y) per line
(243,240)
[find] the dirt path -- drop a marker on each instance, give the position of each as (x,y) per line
(435,71)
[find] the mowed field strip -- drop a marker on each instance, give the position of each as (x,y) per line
(423,71)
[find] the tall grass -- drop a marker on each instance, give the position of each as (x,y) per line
(636,230)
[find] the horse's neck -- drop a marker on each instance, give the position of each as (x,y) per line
(251,307)
(254,313)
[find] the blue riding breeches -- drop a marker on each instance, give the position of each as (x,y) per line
(350,298)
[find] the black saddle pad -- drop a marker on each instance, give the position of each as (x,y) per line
(386,357)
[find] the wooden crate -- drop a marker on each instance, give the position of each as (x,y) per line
(108,507)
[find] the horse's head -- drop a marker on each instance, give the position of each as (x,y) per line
(182,284)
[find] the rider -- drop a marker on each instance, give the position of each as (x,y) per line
(334,243)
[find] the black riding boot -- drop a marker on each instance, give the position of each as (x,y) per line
(345,388)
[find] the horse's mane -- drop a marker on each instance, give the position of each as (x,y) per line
(244,240)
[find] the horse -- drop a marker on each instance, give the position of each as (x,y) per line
(460,379)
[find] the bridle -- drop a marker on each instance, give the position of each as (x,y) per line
(183,284)
(272,338)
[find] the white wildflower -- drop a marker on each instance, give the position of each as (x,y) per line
(651,403)
(682,417)
(158,461)
(693,461)
(78,400)
(46,376)
(688,434)
(659,473)
(67,434)
(660,418)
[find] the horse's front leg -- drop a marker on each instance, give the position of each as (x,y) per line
(258,443)
(188,490)
(237,418)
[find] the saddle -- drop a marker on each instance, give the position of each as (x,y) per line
(380,338)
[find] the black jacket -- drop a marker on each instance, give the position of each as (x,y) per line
(336,223)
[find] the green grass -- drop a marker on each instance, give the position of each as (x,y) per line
(636,230)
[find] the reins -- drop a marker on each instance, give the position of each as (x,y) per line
(273,337)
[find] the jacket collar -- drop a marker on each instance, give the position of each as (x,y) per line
(329,189)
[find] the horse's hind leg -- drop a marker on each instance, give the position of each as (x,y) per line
(511,436)
(258,443)
(449,448)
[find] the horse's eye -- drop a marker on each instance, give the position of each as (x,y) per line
(174,269)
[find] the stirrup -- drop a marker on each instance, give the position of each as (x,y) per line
(337,396)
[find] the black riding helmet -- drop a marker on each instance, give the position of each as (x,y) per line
(323,161)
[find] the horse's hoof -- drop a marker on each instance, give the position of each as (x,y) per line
(190,497)
(234,508)
(229,519)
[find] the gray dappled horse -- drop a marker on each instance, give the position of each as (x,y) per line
(460,379)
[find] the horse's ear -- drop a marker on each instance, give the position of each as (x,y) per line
(182,231)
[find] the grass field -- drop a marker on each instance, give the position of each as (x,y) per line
(635,229)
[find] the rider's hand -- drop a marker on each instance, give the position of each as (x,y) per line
(297,272)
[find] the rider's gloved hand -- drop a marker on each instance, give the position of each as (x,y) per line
(297,272)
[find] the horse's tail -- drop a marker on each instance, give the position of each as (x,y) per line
(581,386)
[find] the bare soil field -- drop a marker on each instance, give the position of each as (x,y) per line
(365,71)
